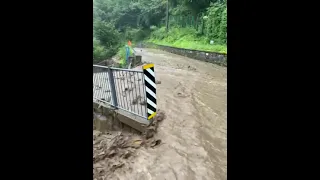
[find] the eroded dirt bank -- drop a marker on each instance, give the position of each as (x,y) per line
(193,95)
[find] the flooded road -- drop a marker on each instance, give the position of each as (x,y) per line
(193,94)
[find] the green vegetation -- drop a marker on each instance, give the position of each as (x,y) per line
(192,25)
(194,28)
(99,51)
(184,38)
(122,54)
(115,22)
(105,40)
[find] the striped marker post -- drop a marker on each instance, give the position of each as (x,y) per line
(150,84)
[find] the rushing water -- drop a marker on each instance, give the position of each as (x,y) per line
(193,94)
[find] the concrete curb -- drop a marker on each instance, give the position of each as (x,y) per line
(206,56)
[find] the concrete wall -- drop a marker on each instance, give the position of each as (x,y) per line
(108,119)
(207,56)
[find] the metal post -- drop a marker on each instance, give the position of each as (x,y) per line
(112,88)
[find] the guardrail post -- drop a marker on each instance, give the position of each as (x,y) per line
(112,88)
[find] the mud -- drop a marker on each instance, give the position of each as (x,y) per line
(114,152)
(193,135)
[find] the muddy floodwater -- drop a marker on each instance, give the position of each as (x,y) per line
(193,95)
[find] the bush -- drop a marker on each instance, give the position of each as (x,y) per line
(159,33)
(99,52)
(216,24)
(106,33)
(106,40)
(136,34)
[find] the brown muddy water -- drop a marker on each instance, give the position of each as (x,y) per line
(193,95)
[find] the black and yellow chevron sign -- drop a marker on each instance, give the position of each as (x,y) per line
(150,84)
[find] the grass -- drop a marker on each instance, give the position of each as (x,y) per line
(185,38)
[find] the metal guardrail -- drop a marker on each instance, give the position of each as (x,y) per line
(121,88)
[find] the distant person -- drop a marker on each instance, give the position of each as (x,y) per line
(127,53)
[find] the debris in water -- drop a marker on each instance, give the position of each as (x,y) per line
(135,101)
(160,116)
(150,133)
(130,89)
(115,150)
(137,141)
(102,153)
(116,166)
(126,155)
(155,143)
(112,153)
(191,68)
(143,103)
